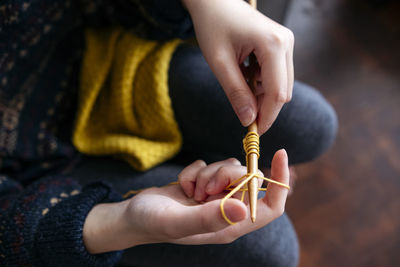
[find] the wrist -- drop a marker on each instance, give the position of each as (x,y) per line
(105,228)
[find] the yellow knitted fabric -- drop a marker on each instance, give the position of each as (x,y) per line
(124,106)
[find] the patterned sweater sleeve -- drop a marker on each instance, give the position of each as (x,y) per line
(152,19)
(41,225)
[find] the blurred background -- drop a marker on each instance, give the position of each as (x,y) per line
(346,204)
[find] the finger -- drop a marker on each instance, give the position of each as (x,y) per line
(265,214)
(289,63)
(204,176)
(269,208)
(272,205)
(236,89)
(223,177)
(276,194)
(207,218)
(246,196)
(228,234)
(290,73)
(274,82)
(187,177)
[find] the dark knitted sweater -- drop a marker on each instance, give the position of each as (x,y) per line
(41,44)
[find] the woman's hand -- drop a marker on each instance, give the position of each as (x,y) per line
(167,214)
(206,182)
(227,32)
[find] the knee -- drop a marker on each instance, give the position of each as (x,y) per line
(285,248)
(274,245)
(321,128)
(307,126)
(190,77)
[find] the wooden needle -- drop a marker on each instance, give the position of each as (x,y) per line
(253,3)
(252,160)
(252,168)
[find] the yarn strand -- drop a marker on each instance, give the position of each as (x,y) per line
(250,145)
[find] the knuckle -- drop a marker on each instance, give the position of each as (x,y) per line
(233,161)
(202,176)
(237,96)
(182,177)
(186,173)
(223,172)
(225,239)
(200,163)
(280,96)
(290,36)
(289,98)
(229,238)
(278,39)
(278,211)
(283,38)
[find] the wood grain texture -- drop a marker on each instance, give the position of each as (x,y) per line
(346,204)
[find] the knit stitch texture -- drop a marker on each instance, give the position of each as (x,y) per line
(42,210)
(124,105)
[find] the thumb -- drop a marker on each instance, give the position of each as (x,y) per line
(240,96)
(276,196)
(207,217)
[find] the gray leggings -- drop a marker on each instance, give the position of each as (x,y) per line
(305,127)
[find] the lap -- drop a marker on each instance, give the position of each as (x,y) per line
(273,245)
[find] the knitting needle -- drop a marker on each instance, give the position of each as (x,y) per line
(252,168)
(252,161)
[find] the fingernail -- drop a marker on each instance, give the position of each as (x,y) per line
(246,115)
(285,155)
(210,186)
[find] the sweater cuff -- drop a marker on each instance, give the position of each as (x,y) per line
(59,236)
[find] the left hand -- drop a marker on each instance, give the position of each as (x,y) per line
(166,214)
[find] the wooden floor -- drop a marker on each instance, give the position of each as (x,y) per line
(346,205)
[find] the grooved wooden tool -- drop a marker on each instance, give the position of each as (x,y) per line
(252,161)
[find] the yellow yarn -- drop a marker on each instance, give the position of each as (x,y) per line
(124,106)
(251,145)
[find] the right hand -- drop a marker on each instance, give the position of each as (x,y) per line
(228,31)
(167,214)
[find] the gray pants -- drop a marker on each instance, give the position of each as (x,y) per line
(305,127)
